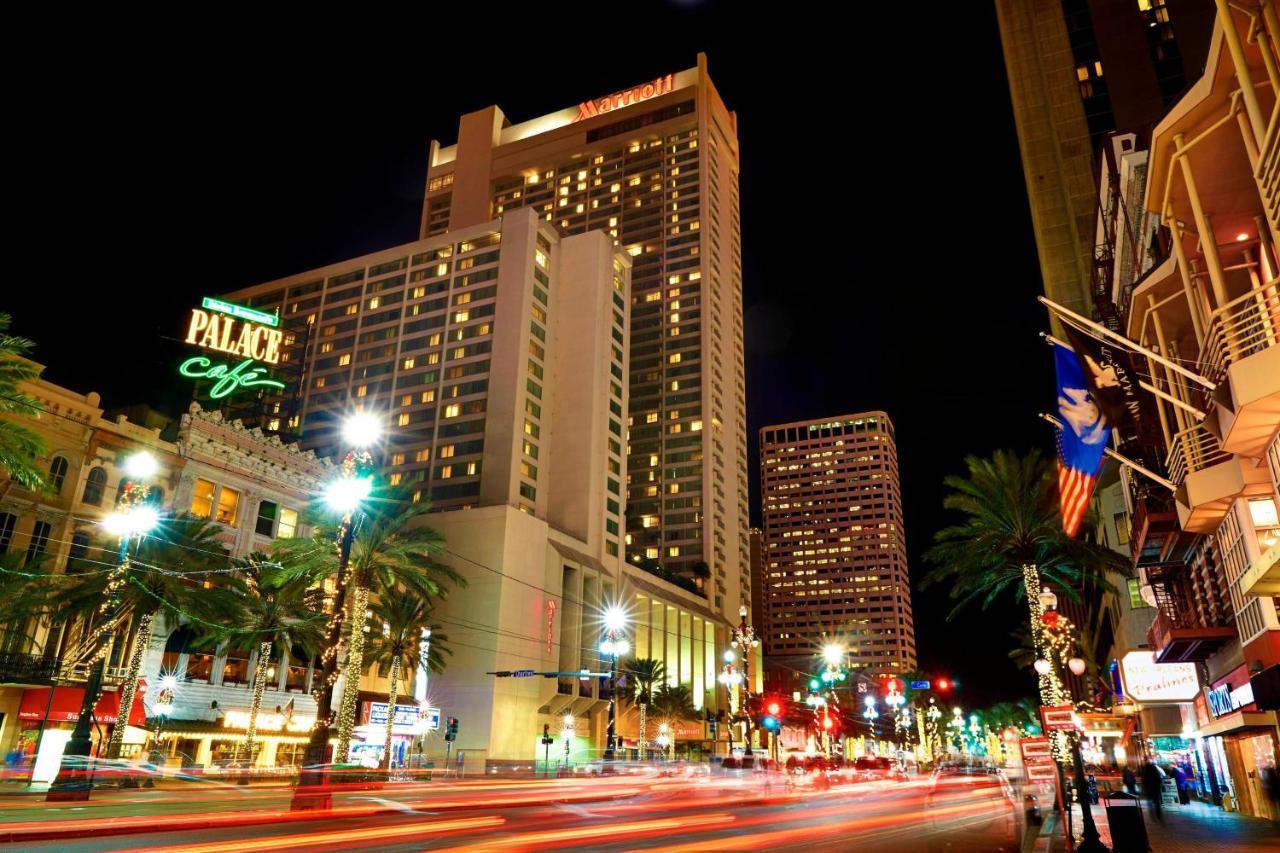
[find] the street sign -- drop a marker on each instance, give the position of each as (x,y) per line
(1036,750)
(1057,717)
(919,685)
(1042,772)
(521,673)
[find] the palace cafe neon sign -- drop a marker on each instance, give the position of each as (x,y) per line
(251,337)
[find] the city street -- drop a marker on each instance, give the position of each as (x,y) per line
(956,814)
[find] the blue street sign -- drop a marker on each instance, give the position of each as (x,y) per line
(521,673)
(919,685)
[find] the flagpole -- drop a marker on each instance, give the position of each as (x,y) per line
(1146,386)
(1085,324)
(1123,460)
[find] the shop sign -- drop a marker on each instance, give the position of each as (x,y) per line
(1223,700)
(1148,681)
(1058,717)
(406,715)
(1036,750)
(268,722)
(1042,773)
(627,97)
(250,340)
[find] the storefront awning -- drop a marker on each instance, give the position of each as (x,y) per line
(65,707)
(1239,722)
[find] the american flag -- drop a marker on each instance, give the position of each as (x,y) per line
(1082,439)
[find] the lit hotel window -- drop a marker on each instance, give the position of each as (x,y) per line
(403,419)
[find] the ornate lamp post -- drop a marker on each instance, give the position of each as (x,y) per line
(613,645)
(744,637)
(730,678)
(134,518)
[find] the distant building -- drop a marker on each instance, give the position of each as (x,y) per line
(835,560)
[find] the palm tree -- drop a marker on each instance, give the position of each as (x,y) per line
(391,549)
(26,590)
(398,647)
(168,574)
(20,446)
(646,672)
(674,702)
(274,610)
(1010,541)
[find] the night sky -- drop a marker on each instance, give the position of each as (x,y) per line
(888,254)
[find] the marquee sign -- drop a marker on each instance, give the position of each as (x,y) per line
(1148,681)
(1223,700)
(251,339)
(627,97)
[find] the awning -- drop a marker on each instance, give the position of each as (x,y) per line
(1240,722)
(66,706)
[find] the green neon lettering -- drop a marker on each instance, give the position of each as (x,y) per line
(229,379)
(240,311)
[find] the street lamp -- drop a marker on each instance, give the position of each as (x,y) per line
(133,517)
(613,644)
(744,638)
(345,497)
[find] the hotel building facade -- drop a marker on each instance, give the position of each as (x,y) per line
(655,167)
(498,353)
(835,561)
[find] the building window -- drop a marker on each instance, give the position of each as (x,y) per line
(267,512)
(79,546)
(202,502)
(57,473)
(94,486)
(288,527)
(1136,601)
(7,522)
(39,539)
(228,501)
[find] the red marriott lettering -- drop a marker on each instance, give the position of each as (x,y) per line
(618,100)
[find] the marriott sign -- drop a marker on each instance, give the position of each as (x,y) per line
(627,97)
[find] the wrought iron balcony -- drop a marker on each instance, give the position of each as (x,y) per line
(1176,638)
(20,668)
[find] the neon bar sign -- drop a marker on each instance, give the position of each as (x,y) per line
(237,331)
(627,97)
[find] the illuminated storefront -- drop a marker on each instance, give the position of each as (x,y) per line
(1244,738)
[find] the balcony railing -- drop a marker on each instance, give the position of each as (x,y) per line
(1194,449)
(1268,171)
(20,668)
(1243,327)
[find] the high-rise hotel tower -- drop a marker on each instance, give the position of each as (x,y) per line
(655,167)
(835,559)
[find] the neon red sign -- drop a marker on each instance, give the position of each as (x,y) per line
(627,97)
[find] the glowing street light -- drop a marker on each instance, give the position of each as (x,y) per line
(362,429)
(613,645)
(141,465)
(833,654)
(345,494)
(135,521)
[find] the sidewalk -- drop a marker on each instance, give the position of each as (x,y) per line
(1196,827)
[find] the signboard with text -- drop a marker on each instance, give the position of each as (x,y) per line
(1036,750)
(1150,682)
(238,346)
(1057,717)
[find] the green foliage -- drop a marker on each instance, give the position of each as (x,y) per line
(398,620)
(645,672)
(20,446)
(268,605)
(1009,517)
(674,702)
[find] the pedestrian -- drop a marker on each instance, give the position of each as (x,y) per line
(1271,787)
(1130,781)
(1184,784)
(1152,779)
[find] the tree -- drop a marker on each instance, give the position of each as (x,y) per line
(674,702)
(1010,541)
(167,574)
(398,646)
(392,548)
(274,610)
(646,672)
(20,446)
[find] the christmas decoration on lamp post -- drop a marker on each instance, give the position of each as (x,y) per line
(744,637)
(133,518)
(613,645)
(345,497)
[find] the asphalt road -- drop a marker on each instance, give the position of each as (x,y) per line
(955,814)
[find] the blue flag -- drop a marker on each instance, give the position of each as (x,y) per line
(1082,439)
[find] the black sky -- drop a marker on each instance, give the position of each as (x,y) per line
(888,255)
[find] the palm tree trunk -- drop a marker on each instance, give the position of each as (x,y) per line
(391,712)
(644,744)
(129,688)
(355,660)
(259,686)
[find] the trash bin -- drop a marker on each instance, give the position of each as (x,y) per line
(1124,816)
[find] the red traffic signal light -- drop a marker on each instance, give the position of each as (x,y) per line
(774,708)
(826,723)
(895,685)
(944,685)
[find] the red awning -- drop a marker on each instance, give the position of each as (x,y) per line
(66,706)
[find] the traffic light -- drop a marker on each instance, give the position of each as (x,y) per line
(769,723)
(814,684)
(943,685)
(773,709)
(451,729)
(546,734)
